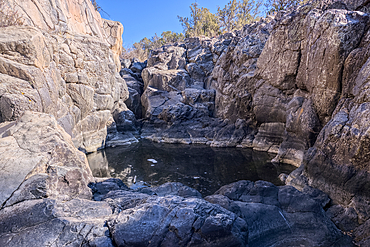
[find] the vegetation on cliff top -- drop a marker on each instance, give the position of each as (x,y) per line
(141,49)
(233,16)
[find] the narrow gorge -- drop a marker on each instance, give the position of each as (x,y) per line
(294,84)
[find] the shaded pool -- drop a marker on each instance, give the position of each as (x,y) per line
(201,167)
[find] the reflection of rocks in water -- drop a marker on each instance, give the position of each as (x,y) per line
(201,167)
(98,164)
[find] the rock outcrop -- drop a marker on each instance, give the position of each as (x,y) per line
(64,62)
(294,84)
(49,192)
(271,86)
(38,160)
(240,214)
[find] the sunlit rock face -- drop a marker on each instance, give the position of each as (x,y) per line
(294,84)
(271,86)
(64,62)
(39,160)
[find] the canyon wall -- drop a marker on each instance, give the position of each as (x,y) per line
(295,84)
(65,62)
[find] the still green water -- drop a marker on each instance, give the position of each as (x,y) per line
(201,167)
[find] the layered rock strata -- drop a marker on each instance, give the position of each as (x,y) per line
(271,86)
(295,84)
(64,62)
(290,83)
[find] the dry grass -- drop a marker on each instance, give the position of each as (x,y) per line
(9,16)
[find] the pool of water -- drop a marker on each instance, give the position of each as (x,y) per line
(201,167)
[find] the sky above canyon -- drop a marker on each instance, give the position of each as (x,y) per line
(145,18)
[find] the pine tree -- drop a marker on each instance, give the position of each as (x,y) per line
(227,16)
(277,5)
(201,22)
(237,14)
(248,12)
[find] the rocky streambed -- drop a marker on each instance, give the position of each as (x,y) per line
(60,203)
(206,169)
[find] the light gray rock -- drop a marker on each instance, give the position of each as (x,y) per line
(167,80)
(36,145)
(44,222)
(125,63)
(90,133)
(169,57)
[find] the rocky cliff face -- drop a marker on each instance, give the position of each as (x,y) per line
(65,63)
(295,84)
(271,86)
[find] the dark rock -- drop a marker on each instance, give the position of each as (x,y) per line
(345,219)
(137,67)
(100,189)
(133,103)
(177,189)
(173,220)
(125,120)
(273,213)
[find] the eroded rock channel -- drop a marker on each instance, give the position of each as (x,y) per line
(295,85)
(201,167)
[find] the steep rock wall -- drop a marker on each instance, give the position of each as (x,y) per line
(295,84)
(276,83)
(64,61)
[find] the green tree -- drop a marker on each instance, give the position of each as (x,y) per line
(171,37)
(201,22)
(248,12)
(227,16)
(236,14)
(142,48)
(277,5)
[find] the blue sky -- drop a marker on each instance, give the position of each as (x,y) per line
(144,18)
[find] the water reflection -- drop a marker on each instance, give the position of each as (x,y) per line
(200,167)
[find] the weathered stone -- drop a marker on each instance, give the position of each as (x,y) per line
(125,63)
(25,45)
(103,102)
(134,103)
(36,144)
(330,38)
(168,58)
(177,189)
(90,133)
(82,96)
(167,80)
(125,120)
(174,220)
(302,128)
(269,137)
(45,222)
(280,58)
(272,214)
(17,96)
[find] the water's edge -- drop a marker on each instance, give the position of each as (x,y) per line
(201,167)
